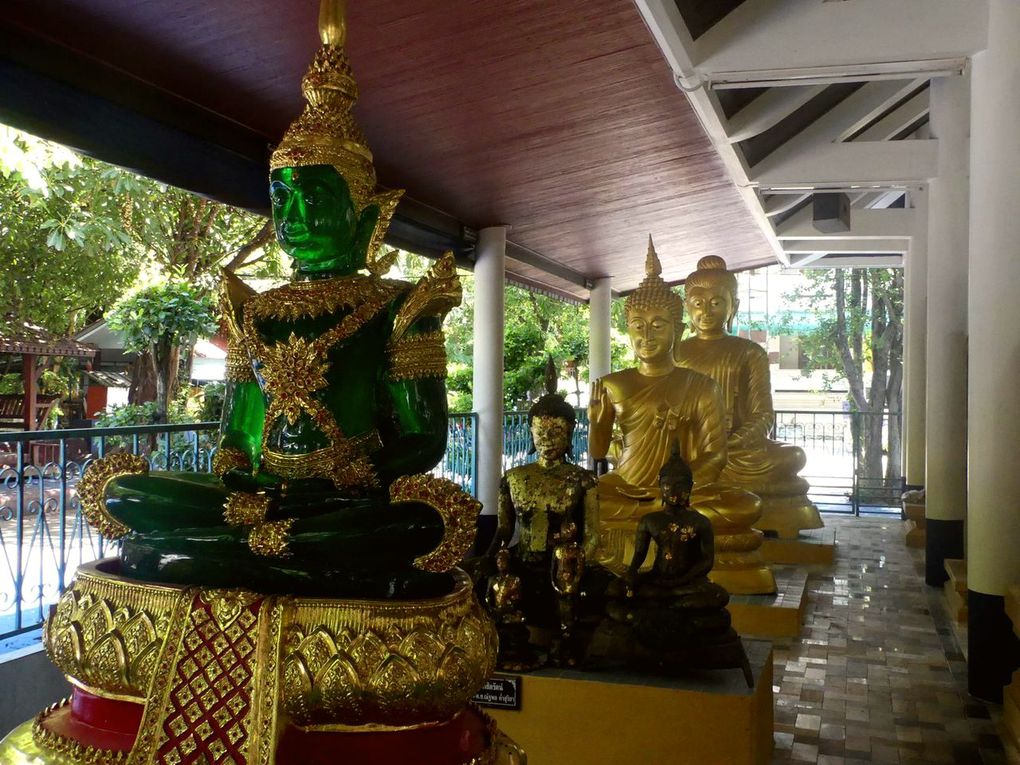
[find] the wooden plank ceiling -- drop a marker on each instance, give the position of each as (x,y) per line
(559,119)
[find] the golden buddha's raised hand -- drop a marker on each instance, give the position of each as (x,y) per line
(600,419)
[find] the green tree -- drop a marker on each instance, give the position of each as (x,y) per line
(157,320)
(74,231)
(860,330)
(65,252)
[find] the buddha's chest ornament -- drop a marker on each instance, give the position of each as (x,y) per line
(294,370)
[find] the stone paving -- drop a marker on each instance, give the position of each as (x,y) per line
(876,674)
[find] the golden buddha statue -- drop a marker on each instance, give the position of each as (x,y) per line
(658,406)
(741,367)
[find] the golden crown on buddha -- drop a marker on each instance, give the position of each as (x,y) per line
(655,408)
(326,133)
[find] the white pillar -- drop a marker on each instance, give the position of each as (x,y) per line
(599,321)
(490,279)
(946,385)
(914,309)
(993,396)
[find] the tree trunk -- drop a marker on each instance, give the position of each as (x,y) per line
(143,380)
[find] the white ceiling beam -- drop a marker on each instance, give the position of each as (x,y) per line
(898,120)
(848,116)
(864,224)
(871,162)
(877,200)
(846,246)
(803,34)
(777,204)
(800,261)
(674,40)
(768,109)
(852,261)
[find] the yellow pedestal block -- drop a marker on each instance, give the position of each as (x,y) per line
(813,548)
(916,526)
(584,718)
(771,616)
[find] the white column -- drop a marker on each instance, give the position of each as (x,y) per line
(599,321)
(946,385)
(914,310)
(490,279)
(993,309)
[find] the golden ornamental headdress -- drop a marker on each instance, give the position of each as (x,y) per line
(325,133)
(653,292)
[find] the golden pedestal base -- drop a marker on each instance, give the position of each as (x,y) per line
(787,516)
(609,719)
(808,550)
(175,675)
(916,525)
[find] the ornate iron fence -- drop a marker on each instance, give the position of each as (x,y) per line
(847,458)
(44,537)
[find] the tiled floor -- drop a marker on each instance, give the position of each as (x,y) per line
(876,674)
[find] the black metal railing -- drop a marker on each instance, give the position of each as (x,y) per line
(847,458)
(44,537)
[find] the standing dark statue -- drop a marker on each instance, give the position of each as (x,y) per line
(538,498)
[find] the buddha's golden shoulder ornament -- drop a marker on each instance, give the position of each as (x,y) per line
(438,291)
(234,293)
(92,490)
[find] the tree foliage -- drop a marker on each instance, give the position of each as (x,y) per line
(860,334)
(158,320)
(76,234)
(65,252)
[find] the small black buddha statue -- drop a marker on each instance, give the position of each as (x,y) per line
(672,618)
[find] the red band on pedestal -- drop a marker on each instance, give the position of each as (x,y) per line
(457,742)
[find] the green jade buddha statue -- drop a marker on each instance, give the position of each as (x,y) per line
(335,397)
(754,462)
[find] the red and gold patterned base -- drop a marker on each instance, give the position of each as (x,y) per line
(168,675)
(90,730)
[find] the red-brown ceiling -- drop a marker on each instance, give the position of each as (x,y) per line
(559,119)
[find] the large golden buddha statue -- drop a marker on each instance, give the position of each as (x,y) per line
(741,367)
(657,406)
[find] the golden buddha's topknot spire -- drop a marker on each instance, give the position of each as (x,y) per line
(653,292)
(712,271)
(326,133)
(652,264)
